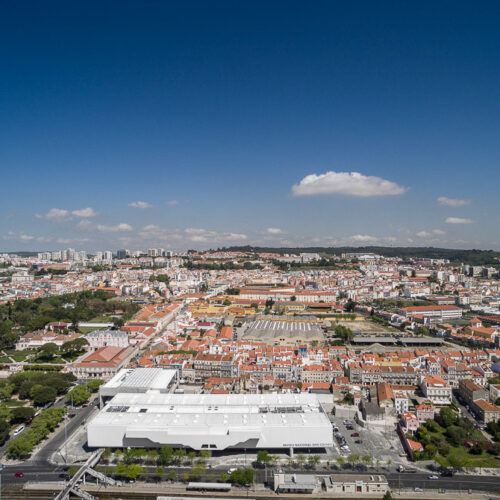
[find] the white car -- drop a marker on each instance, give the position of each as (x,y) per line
(231,470)
(418,490)
(19,430)
(433,477)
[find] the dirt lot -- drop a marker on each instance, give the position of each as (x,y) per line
(368,327)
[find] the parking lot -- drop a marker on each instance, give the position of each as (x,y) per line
(381,442)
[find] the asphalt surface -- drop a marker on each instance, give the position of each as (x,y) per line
(46,472)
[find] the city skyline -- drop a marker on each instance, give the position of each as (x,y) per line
(202,126)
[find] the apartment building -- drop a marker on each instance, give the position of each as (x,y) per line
(436,390)
(471,392)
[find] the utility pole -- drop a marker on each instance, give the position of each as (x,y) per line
(65,443)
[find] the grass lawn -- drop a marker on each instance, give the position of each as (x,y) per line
(87,329)
(469,460)
(461,453)
(101,319)
(57,361)
(11,403)
(72,356)
(5,359)
(19,355)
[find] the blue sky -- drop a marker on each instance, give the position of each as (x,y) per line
(272,123)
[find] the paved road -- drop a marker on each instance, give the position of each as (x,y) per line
(72,424)
(45,472)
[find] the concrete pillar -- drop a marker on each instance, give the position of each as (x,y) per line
(291,452)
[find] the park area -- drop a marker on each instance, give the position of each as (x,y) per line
(454,441)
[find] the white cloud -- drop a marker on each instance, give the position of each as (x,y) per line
(57,214)
(60,214)
(173,203)
(140,204)
(84,225)
(234,236)
(18,236)
(458,220)
(85,212)
(151,227)
(363,237)
(274,230)
(427,234)
(349,183)
(114,229)
(197,235)
(453,202)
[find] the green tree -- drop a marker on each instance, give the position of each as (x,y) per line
(344,333)
(133,471)
(455,435)
(166,455)
(74,346)
(313,461)
(197,471)
(456,461)
(421,331)
(160,471)
(6,389)
(172,475)
(263,457)
(48,351)
(180,455)
(340,461)
(350,305)
(448,416)
(21,414)
(4,430)
(19,447)
(93,385)
(78,395)
(121,470)
(353,458)
(301,459)
(42,395)
(477,449)
(367,460)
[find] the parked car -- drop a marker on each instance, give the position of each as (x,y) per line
(433,477)
(18,430)
(355,435)
(418,490)
(18,474)
(358,441)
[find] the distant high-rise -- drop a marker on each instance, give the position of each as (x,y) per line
(122,254)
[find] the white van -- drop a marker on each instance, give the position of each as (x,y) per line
(19,430)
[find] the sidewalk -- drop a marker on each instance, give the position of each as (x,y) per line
(153,490)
